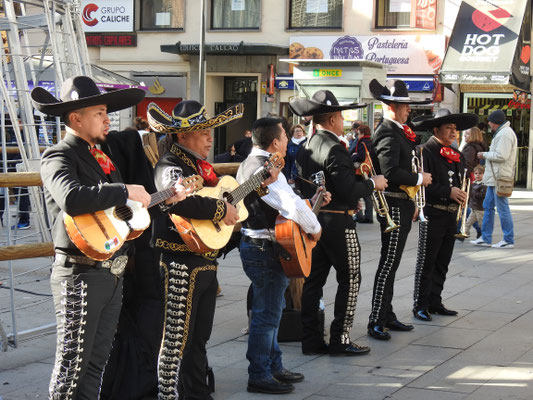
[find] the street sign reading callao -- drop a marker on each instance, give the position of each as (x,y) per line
(107,15)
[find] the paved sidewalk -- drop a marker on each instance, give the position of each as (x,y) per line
(486,352)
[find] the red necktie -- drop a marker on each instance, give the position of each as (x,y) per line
(103,160)
(450,154)
(409,134)
(207,172)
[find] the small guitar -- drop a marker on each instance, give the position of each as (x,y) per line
(100,234)
(293,238)
(203,235)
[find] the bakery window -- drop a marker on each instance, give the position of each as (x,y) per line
(315,14)
(405,14)
(162,15)
(235,14)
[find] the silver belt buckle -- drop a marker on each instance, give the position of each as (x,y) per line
(118,265)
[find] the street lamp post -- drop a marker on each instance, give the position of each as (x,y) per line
(201,62)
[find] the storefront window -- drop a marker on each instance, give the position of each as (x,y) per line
(393,14)
(162,14)
(235,14)
(315,14)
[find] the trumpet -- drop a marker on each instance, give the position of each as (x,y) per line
(417,165)
(463,208)
(366,169)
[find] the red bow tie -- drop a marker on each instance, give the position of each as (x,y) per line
(103,160)
(409,134)
(207,172)
(450,154)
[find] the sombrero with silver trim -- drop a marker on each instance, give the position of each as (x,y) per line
(80,92)
(394,91)
(322,102)
(443,116)
(189,115)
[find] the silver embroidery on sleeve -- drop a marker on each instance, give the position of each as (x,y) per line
(387,266)
(69,350)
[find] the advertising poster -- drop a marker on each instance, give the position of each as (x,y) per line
(107,15)
(405,54)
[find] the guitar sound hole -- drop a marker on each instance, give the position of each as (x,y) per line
(123,213)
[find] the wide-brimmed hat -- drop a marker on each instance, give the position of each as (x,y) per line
(322,102)
(80,92)
(189,115)
(394,91)
(443,116)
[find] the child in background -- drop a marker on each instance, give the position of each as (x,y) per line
(477,195)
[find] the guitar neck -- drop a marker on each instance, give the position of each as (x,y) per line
(247,187)
(161,196)
(318,203)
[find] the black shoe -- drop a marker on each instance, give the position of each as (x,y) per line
(323,349)
(269,386)
(288,376)
(422,315)
(442,311)
(478,235)
(398,326)
(351,349)
(379,332)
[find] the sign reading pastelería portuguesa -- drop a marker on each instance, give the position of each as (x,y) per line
(490,44)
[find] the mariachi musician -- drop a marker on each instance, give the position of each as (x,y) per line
(338,246)
(394,143)
(444,196)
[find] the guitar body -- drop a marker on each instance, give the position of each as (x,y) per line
(100,234)
(298,245)
(202,235)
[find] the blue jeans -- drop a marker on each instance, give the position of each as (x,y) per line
(269,283)
(506,219)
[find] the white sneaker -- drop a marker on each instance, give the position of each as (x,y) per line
(502,244)
(479,242)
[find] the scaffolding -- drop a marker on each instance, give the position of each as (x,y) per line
(40,38)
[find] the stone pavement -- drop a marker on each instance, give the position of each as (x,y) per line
(486,352)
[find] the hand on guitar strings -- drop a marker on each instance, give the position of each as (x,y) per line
(138,193)
(232,216)
(315,236)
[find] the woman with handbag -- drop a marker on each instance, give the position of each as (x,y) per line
(499,178)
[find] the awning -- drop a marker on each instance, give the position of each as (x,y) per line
(226,49)
(490,44)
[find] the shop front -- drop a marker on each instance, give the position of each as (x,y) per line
(489,57)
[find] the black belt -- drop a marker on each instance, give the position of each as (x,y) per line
(351,213)
(450,207)
(116,265)
(256,241)
(397,195)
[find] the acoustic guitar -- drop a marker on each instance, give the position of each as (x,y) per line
(203,235)
(295,241)
(100,234)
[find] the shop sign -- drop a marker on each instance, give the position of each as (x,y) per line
(107,15)
(327,73)
(401,54)
(284,82)
(164,85)
(125,40)
(424,13)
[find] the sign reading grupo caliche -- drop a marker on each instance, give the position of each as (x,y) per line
(107,15)
(405,54)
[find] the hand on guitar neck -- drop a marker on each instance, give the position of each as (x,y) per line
(274,173)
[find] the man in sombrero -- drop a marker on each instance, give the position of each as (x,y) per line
(78,179)
(338,245)
(191,278)
(443,197)
(394,143)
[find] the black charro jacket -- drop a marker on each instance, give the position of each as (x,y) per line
(74,183)
(438,192)
(324,152)
(166,238)
(394,153)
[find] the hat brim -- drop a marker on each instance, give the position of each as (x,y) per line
(308,107)
(462,121)
(161,122)
(114,100)
(377,89)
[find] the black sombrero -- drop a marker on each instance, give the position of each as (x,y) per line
(322,102)
(80,92)
(443,116)
(394,91)
(189,115)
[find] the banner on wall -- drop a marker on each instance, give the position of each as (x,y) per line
(401,54)
(107,15)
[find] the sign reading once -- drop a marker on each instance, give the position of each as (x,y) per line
(327,73)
